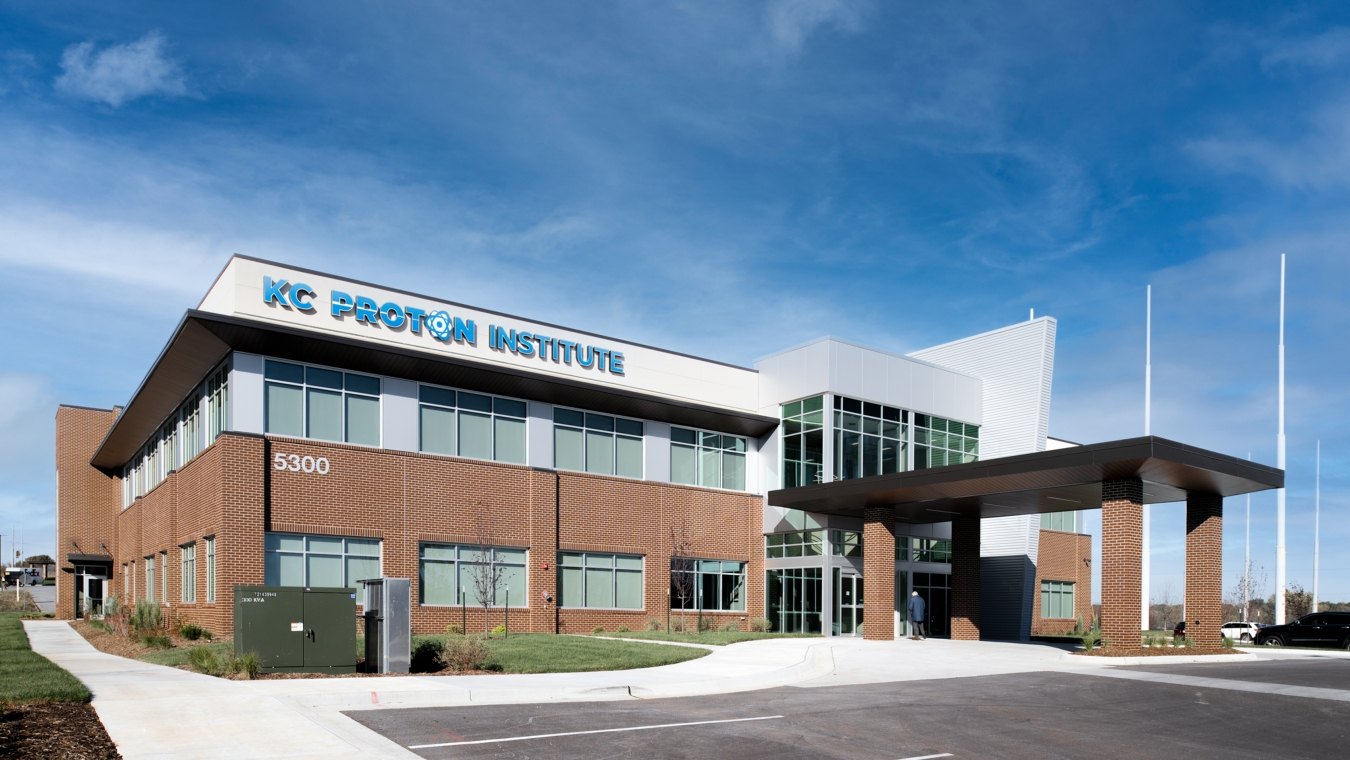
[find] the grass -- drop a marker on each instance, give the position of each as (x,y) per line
(26,676)
(178,656)
(716,638)
(548,653)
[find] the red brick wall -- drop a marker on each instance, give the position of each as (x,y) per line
(965,593)
(1063,556)
(878,573)
(1122,545)
(1204,569)
(87,500)
(232,492)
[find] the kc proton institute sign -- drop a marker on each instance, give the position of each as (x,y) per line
(439,325)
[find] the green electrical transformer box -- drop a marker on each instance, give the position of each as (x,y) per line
(294,629)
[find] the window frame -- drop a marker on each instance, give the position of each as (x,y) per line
(307,389)
(187,558)
(615,573)
(701,573)
(701,447)
(589,433)
(1055,592)
(460,561)
(459,411)
(306,553)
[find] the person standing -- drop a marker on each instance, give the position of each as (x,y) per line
(917,609)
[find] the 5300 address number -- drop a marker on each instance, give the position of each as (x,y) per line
(297,463)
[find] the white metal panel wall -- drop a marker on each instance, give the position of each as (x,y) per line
(400,416)
(247,407)
(1016,365)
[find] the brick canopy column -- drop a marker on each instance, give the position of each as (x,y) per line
(1122,544)
(966,579)
(1204,569)
(879,573)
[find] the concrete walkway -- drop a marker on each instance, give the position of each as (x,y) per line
(151,711)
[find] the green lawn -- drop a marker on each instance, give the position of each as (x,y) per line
(716,638)
(26,676)
(178,656)
(547,653)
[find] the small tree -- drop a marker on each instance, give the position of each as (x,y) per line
(485,574)
(1297,602)
(681,567)
(1248,589)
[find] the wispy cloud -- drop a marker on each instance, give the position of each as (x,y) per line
(791,22)
(1315,157)
(118,74)
(1322,50)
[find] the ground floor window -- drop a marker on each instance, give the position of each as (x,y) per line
(600,581)
(1057,599)
(319,561)
(150,579)
(211,569)
(703,584)
(795,599)
(454,574)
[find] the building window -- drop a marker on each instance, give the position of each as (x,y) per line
(319,561)
(1059,521)
(803,442)
(846,543)
(597,443)
(459,423)
(150,578)
(711,460)
(869,439)
(707,584)
(939,442)
(211,569)
(600,581)
(1057,600)
(312,402)
(164,577)
(217,404)
(189,563)
(126,582)
(180,439)
(797,543)
(455,573)
(923,549)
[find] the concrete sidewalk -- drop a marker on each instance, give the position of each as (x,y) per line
(152,711)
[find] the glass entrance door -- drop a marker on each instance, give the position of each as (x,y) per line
(848,603)
(93,595)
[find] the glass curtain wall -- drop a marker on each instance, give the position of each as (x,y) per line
(869,439)
(795,599)
(804,442)
(940,442)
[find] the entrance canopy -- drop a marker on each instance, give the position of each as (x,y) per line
(1047,481)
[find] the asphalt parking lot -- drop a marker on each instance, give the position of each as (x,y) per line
(1031,715)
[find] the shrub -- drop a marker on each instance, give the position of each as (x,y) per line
(1227,643)
(598,629)
(192,632)
(146,617)
(428,656)
(760,624)
(466,654)
(246,664)
(499,630)
(653,624)
(156,641)
(203,660)
(677,625)
(454,629)
(111,606)
(623,629)
(705,624)
(730,627)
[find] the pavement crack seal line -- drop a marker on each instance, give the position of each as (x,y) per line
(1256,687)
(594,731)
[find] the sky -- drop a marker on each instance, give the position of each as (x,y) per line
(720,179)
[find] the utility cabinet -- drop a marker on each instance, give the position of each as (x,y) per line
(295,629)
(387,606)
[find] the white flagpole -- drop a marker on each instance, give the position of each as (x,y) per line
(1148,420)
(1279,462)
(1317,525)
(1247,559)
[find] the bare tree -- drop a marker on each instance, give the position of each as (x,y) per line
(485,574)
(1297,602)
(1164,613)
(1248,590)
(681,567)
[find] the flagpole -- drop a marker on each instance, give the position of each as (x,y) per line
(1279,462)
(1317,525)
(1247,559)
(1144,569)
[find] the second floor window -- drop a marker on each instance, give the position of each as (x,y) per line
(312,402)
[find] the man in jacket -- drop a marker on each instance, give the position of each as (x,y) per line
(917,610)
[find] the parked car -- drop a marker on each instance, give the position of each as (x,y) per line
(1239,631)
(1320,629)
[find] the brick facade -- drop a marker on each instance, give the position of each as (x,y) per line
(1204,569)
(88,498)
(965,594)
(233,493)
(1063,556)
(879,573)
(1122,547)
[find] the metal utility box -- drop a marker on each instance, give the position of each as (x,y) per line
(294,629)
(388,615)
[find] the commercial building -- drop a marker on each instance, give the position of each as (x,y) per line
(302,429)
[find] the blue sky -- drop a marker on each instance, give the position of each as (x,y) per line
(722,179)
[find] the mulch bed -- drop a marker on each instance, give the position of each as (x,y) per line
(50,730)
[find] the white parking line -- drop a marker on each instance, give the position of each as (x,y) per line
(927,757)
(597,731)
